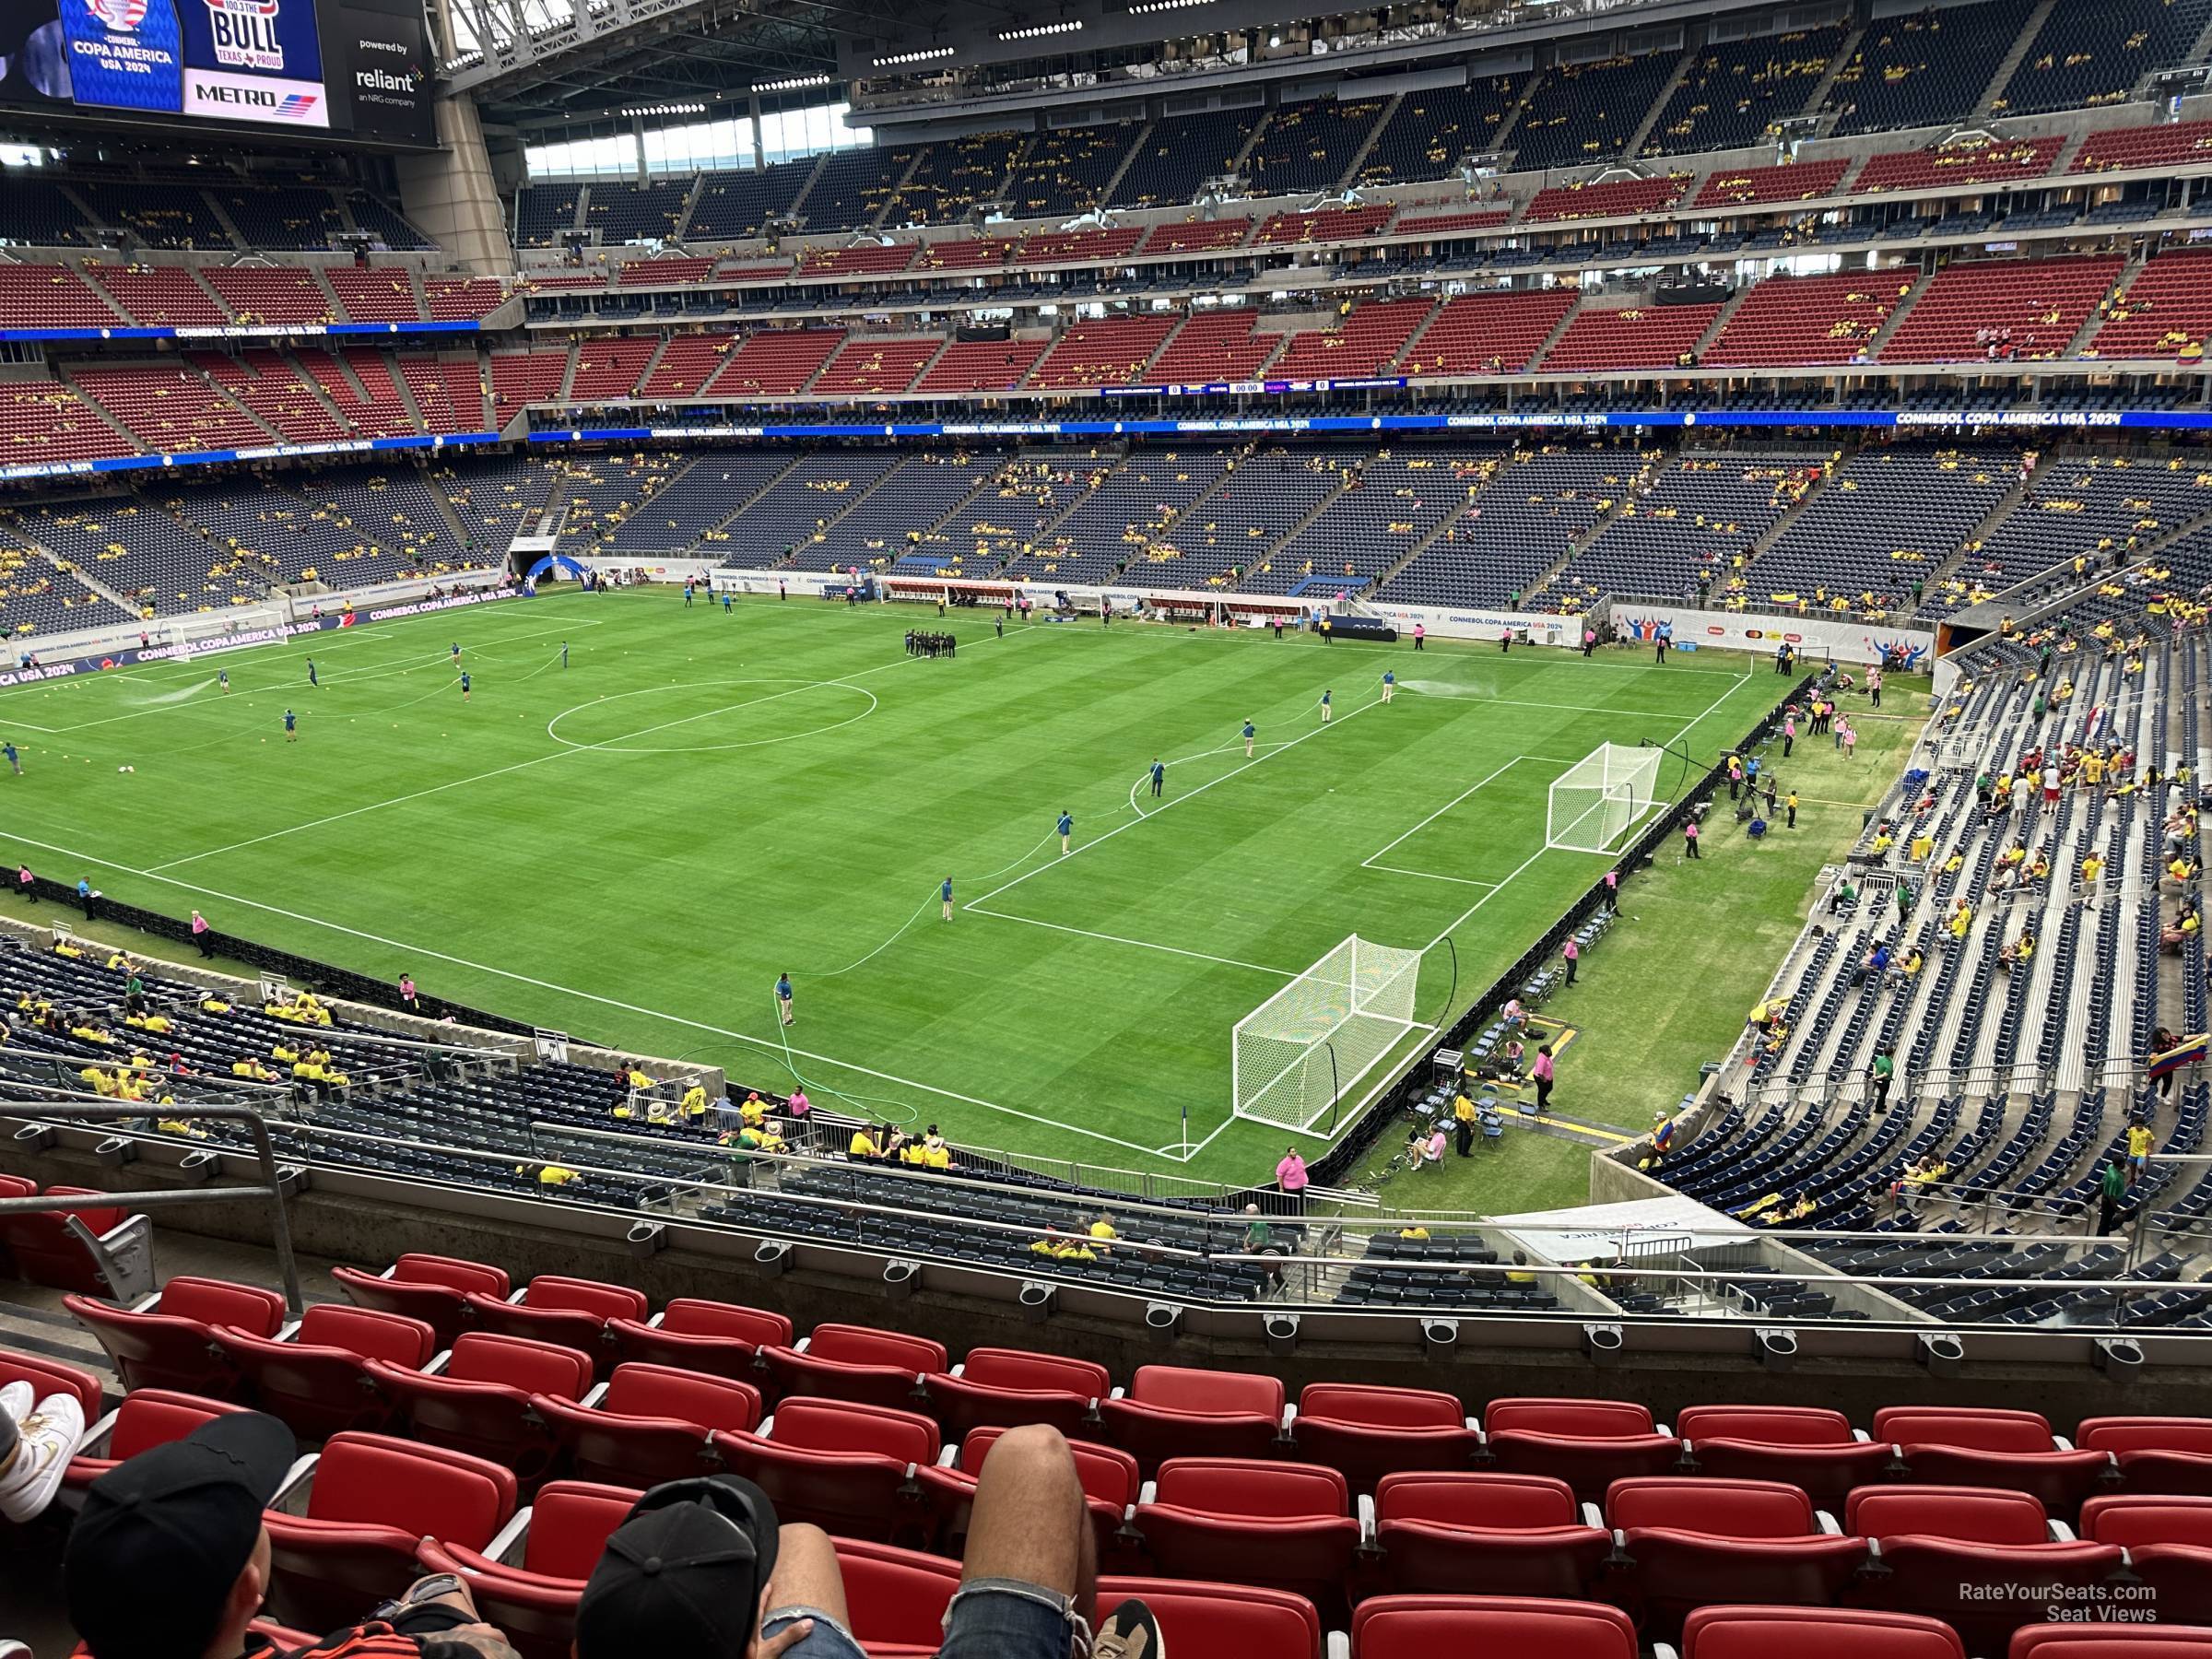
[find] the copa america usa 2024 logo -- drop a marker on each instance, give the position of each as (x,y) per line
(122,16)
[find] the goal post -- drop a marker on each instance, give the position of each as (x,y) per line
(1293,1056)
(1596,802)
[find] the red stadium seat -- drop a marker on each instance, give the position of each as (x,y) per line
(171,1344)
(1173,1411)
(45,1251)
(651,1425)
(1235,1620)
(430,1288)
(481,1403)
(2135,1518)
(1484,1533)
(1815,1633)
(148,1418)
(847,1467)
(1587,1443)
(1422,1626)
(1691,1542)
(2169,1545)
(1978,1560)
(53,1376)
(319,1381)
(569,1313)
(717,1337)
(1367,1433)
(1284,1527)
(1109,1476)
(897,1598)
(2155,1455)
(1808,1446)
(369,1502)
(2011,1450)
(532,1600)
(1004,1388)
(2108,1641)
(852,1362)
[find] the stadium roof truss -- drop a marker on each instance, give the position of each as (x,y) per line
(548,57)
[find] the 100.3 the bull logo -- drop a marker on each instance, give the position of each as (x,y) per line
(244,34)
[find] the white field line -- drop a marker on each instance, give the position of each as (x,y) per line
(1121,939)
(428,953)
(514,767)
(1146,816)
(335,679)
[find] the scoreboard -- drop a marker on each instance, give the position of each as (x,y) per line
(337,68)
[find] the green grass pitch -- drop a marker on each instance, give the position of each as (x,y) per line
(633,845)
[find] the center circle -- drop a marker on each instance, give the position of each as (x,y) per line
(695,708)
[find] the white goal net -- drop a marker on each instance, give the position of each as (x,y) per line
(1299,1051)
(1596,802)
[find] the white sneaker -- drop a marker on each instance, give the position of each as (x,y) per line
(16,1399)
(50,1435)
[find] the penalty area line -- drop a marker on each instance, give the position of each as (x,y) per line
(426,953)
(976,908)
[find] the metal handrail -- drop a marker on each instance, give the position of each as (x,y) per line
(99,1111)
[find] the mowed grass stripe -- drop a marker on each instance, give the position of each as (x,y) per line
(683,882)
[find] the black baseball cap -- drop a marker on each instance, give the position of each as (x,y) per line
(164,1535)
(683,1572)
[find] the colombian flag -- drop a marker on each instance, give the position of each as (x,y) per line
(2187,1051)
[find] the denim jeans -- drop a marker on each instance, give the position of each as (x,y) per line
(989,1618)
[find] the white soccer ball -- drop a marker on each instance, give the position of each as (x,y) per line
(126,769)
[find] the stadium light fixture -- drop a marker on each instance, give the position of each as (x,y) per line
(675,109)
(920,55)
(1148,7)
(1038,31)
(792,83)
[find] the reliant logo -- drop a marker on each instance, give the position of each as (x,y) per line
(382,80)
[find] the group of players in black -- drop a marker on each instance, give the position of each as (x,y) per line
(922,643)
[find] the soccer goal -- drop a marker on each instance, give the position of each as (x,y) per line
(1297,1053)
(1596,802)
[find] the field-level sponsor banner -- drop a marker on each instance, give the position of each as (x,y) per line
(214,644)
(1819,639)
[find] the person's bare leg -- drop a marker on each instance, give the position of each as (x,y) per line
(804,1597)
(806,1572)
(1029,1520)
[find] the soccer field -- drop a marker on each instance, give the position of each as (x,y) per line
(632,846)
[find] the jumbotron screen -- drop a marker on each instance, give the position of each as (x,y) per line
(340,68)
